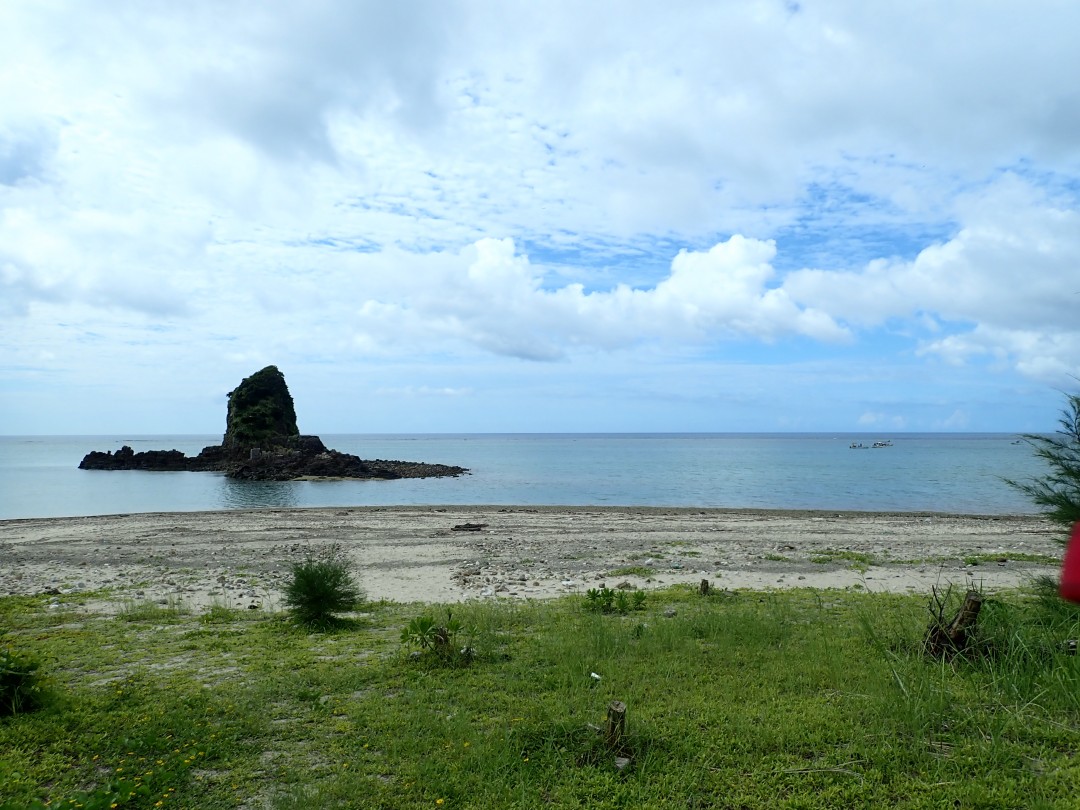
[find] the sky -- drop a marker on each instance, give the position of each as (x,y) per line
(445,216)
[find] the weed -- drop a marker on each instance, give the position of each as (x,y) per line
(440,641)
(146,611)
(606,600)
(632,571)
(320,587)
(20,690)
(858,560)
(219,614)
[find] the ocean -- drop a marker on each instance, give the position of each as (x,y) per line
(936,472)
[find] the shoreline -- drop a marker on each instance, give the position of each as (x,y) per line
(241,558)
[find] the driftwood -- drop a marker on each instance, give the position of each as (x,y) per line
(943,638)
(469,527)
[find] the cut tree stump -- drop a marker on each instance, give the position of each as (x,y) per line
(616,723)
(948,638)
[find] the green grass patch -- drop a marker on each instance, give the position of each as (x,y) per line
(146,611)
(857,559)
(632,571)
(798,699)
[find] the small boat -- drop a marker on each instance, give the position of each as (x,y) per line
(886,443)
(859,446)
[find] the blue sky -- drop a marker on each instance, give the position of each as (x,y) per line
(492,216)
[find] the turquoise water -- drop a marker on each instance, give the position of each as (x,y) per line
(39,476)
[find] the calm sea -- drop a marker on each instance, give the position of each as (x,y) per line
(39,475)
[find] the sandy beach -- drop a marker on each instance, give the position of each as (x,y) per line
(241,558)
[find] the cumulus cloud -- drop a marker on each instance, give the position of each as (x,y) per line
(1007,285)
(547,181)
(490,296)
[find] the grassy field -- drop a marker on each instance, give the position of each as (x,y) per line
(798,699)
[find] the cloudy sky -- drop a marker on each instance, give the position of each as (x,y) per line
(548,216)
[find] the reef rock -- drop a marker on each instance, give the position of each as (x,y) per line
(263,443)
(127,459)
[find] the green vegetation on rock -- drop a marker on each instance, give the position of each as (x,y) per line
(261,412)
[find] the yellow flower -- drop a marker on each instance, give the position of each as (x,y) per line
(438,801)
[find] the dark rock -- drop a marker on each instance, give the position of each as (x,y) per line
(127,459)
(261,413)
(262,443)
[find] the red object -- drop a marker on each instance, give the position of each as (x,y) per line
(1070,567)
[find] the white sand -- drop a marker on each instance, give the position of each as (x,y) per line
(405,554)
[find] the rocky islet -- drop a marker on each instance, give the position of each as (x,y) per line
(263,443)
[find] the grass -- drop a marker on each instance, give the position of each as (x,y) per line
(632,571)
(146,611)
(759,700)
(858,560)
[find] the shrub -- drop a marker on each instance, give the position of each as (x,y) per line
(321,586)
(19,688)
(1059,490)
(439,640)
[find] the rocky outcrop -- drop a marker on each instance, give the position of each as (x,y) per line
(263,443)
(127,459)
(261,413)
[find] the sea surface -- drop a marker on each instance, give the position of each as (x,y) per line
(957,472)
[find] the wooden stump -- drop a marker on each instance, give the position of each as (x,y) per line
(947,638)
(965,617)
(616,723)
(704,587)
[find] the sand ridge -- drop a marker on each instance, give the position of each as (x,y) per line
(406,554)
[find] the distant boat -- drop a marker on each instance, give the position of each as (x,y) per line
(885,443)
(859,446)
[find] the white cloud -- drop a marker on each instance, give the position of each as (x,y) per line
(1007,285)
(493,298)
(453,180)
